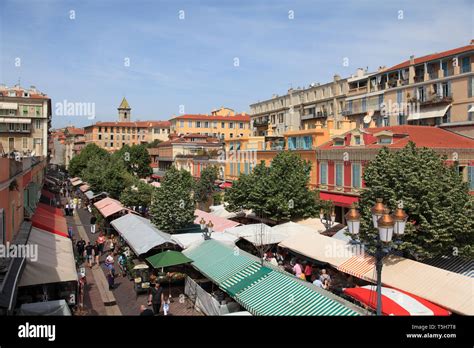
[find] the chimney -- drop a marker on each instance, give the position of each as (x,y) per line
(472,42)
(337,77)
(412,59)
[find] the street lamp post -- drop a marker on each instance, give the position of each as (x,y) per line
(206,229)
(387,225)
(327,219)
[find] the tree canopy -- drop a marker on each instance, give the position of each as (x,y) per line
(173,204)
(204,187)
(433,195)
(139,194)
(135,159)
(79,162)
(279,192)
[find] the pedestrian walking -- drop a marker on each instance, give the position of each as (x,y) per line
(109,264)
(89,254)
(156,297)
(96,253)
(110,280)
(101,241)
(66,209)
(93,220)
(122,260)
(111,243)
(145,312)
(80,245)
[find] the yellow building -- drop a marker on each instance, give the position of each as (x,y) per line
(222,124)
(243,154)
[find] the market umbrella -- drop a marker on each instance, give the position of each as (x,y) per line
(168,258)
(395,302)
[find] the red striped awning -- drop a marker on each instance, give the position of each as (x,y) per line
(49,209)
(396,302)
(339,199)
(225,185)
(48,221)
(358,265)
(47,194)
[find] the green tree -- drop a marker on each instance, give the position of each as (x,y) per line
(205,185)
(79,163)
(135,159)
(433,194)
(279,192)
(173,205)
(154,143)
(139,194)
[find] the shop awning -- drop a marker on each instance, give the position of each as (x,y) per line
(89,194)
(84,188)
(431,112)
(320,248)
(225,185)
(395,302)
(185,240)
(220,224)
(55,260)
(263,290)
(140,234)
(358,266)
(109,206)
(56,308)
(49,221)
(15,120)
(47,194)
(168,258)
(49,209)
(339,200)
(456,264)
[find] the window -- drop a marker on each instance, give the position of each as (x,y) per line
(24,127)
(38,110)
(470,112)
(386,121)
(25,143)
(356,175)
(402,119)
(470,177)
(338,142)
(465,65)
(323,173)
(222,125)
(357,139)
(111,137)
(339,174)
(399,98)
(307,142)
(349,107)
(11,127)
(214,124)
(446,88)
(231,125)
(231,135)
(385,140)
(292,143)
(198,124)
(447,117)
(470,86)
(100,136)
(206,124)
(444,66)
(190,124)
(241,125)
(25,110)
(364,104)
(37,124)
(420,93)
(231,168)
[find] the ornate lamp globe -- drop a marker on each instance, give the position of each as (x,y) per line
(353,220)
(202,223)
(377,211)
(385,226)
(400,219)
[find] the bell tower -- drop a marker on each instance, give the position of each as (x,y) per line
(124,111)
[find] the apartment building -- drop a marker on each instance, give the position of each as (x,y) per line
(222,123)
(192,152)
(72,136)
(111,136)
(25,120)
(300,108)
(341,161)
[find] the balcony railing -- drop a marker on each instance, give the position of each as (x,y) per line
(260,123)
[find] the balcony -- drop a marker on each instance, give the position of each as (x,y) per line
(260,123)
(435,100)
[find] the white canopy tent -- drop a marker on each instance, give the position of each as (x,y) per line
(185,240)
(55,259)
(139,233)
(56,308)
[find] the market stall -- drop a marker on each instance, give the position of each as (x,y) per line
(55,308)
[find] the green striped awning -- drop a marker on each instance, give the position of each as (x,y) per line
(262,290)
(278,294)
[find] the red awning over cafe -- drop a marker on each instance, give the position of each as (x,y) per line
(49,221)
(225,185)
(340,200)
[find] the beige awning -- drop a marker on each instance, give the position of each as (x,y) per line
(15,120)
(55,259)
(9,106)
(435,111)
(450,290)
(320,248)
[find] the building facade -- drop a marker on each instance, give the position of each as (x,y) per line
(342,160)
(222,124)
(112,136)
(25,120)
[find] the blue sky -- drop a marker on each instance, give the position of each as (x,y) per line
(190,62)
